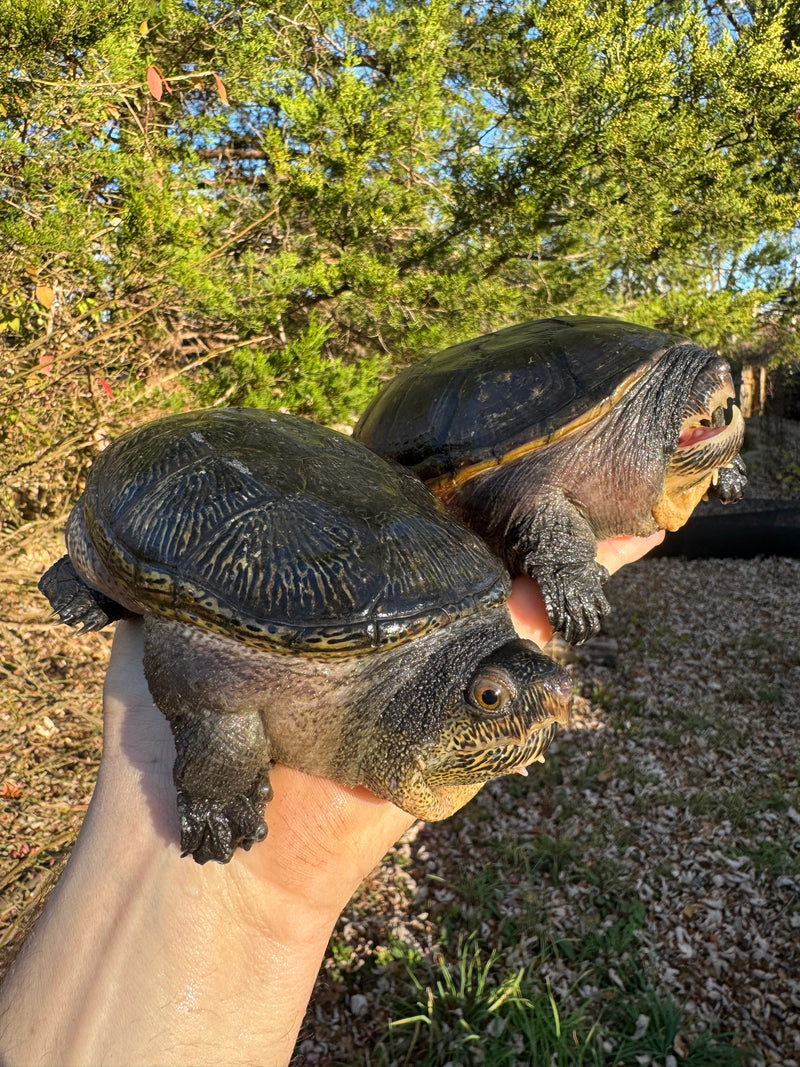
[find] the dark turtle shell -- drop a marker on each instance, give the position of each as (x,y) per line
(282,533)
(482,400)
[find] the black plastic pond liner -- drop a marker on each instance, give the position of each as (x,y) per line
(748,528)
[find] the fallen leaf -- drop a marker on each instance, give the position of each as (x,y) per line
(106,386)
(12,790)
(681,1046)
(45,296)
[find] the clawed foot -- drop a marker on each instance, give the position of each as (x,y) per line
(731,482)
(214,829)
(575,600)
(76,603)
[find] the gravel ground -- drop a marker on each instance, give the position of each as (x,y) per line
(678,783)
(710,651)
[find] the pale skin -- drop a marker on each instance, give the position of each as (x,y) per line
(143,957)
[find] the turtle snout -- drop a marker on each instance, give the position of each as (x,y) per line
(711,391)
(557,685)
(718,369)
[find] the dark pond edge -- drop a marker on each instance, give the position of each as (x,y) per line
(751,527)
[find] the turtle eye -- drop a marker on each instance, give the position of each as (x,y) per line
(488,694)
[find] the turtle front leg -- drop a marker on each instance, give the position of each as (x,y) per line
(731,482)
(222,775)
(223,754)
(556,545)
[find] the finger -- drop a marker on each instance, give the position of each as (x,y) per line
(133,725)
(125,665)
(528,612)
(617,551)
(526,604)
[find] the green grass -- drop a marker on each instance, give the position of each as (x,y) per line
(539,856)
(483,891)
(778,856)
(490,1006)
(472,1008)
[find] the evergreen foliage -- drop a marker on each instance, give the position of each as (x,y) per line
(272,203)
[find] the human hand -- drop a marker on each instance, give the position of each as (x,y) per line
(144,957)
(527,606)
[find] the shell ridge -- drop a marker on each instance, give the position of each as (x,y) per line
(175,532)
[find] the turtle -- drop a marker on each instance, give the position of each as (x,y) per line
(307,602)
(551,435)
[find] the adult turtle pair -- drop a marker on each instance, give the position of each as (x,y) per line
(307,602)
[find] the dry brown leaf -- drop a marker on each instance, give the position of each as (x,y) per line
(223,95)
(45,295)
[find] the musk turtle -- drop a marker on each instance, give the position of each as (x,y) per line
(307,602)
(552,435)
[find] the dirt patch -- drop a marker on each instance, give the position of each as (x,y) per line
(50,737)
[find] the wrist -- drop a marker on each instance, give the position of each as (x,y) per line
(218,958)
(287,890)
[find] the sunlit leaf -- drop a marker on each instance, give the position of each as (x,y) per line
(154,82)
(221,89)
(45,295)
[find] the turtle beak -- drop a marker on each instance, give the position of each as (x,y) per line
(558,686)
(710,437)
(705,418)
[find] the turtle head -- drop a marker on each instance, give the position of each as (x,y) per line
(709,438)
(499,718)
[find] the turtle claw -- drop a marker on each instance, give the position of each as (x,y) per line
(731,482)
(214,829)
(575,600)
